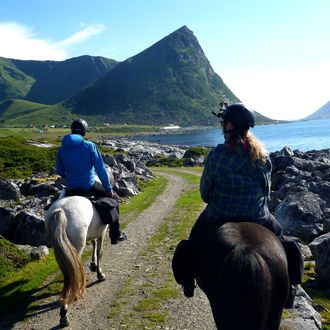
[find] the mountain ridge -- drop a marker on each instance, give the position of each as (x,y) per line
(321,113)
(171,81)
(55,81)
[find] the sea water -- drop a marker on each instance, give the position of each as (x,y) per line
(301,135)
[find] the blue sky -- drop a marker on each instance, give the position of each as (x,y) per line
(274,55)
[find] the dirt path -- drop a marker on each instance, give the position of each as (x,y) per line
(119,262)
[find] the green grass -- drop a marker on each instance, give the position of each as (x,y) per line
(11,259)
(20,160)
(137,204)
(18,285)
(320,297)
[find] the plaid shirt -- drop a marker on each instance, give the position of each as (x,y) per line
(232,187)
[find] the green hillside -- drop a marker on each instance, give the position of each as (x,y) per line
(25,113)
(13,82)
(55,81)
(170,82)
(21,113)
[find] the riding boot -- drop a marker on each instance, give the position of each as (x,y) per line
(295,266)
(183,267)
(115,234)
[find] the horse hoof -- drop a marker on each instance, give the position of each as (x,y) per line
(92,267)
(101,277)
(64,322)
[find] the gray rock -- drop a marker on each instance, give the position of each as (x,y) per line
(6,220)
(126,187)
(35,252)
(9,190)
(30,229)
(39,252)
(39,189)
(300,215)
(320,249)
(305,251)
(326,225)
(110,160)
(303,315)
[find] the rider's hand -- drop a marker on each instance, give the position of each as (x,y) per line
(110,194)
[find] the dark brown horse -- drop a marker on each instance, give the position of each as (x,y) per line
(242,268)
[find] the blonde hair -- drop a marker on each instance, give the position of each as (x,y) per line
(258,152)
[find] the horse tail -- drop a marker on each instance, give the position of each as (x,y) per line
(67,258)
(244,290)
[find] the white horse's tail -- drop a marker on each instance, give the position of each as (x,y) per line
(67,258)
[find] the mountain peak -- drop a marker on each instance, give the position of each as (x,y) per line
(179,46)
(184,29)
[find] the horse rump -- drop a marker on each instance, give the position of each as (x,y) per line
(67,257)
(243,291)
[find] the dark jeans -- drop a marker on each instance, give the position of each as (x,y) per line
(202,225)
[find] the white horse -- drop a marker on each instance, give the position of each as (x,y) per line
(71,222)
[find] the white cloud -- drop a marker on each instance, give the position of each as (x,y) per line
(80,36)
(20,42)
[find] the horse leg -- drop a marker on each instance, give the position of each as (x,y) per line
(100,275)
(92,265)
(64,320)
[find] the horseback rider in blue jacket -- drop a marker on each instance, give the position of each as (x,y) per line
(76,162)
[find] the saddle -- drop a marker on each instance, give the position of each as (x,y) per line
(106,207)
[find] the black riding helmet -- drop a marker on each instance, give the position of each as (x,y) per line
(239,116)
(79,126)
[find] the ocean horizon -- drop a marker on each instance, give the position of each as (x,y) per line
(297,135)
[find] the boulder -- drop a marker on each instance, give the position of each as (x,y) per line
(6,220)
(110,160)
(320,248)
(300,215)
(126,187)
(9,190)
(35,252)
(30,229)
(39,252)
(31,187)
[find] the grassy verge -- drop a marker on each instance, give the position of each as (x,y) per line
(137,204)
(320,297)
(157,285)
(24,285)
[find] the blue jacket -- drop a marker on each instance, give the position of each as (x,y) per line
(76,161)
